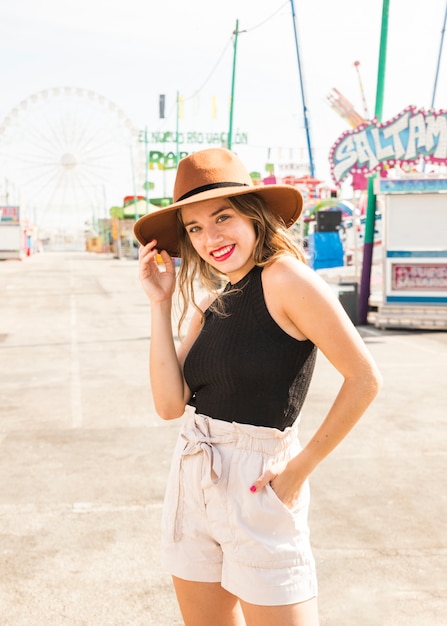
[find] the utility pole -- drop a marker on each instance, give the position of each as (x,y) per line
(146,168)
(439,60)
(177,117)
(306,120)
(233,81)
(368,246)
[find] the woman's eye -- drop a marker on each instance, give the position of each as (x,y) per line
(222,218)
(193,229)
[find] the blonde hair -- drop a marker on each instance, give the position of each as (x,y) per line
(272,241)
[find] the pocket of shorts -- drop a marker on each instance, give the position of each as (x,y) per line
(298,504)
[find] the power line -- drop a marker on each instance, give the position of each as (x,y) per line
(197,91)
(248,30)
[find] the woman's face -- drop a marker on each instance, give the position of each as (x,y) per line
(222,237)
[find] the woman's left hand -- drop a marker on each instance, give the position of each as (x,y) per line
(286,483)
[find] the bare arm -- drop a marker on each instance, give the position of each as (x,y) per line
(320,316)
(169,390)
(309,309)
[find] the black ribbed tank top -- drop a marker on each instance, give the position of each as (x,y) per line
(243,367)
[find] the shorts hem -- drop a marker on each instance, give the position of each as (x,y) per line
(208,574)
(271,596)
(273,586)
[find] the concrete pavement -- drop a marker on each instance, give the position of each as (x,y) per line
(84,459)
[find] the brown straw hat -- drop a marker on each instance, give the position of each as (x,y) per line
(208,174)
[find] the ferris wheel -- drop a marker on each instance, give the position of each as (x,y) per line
(66,156)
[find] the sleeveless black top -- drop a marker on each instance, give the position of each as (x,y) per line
(243,367)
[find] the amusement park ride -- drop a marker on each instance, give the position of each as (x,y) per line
(66,155)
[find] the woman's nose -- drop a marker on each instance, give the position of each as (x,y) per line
(213,234)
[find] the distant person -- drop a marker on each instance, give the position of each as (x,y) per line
(235,534)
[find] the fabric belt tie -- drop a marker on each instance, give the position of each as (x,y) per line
(197,442)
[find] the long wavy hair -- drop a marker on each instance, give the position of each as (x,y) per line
(272,241)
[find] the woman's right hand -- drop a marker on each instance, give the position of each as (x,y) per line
(158,285)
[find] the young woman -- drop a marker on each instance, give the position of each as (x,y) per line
(235,534)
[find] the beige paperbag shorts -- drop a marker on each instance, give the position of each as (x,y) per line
(214,529)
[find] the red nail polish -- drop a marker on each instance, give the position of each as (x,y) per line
(252,488)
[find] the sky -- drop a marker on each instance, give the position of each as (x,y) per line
(131,52)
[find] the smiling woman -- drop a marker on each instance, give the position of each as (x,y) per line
(235,532)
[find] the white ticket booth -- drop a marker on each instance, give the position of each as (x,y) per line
(414,216)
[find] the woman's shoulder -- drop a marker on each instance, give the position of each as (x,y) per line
(289,291)
(288,278)
(286,269)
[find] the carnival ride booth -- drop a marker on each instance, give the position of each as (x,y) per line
(414,253)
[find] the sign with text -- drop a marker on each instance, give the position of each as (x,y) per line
(167,159)
(10,214)
(191,137)
(411,135)
(419,276)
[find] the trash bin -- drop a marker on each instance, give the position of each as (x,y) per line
(348,296)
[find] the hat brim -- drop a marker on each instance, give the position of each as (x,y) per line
(285,201)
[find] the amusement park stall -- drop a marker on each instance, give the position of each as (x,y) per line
(11,234)
(414,214)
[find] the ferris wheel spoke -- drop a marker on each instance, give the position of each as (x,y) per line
(86,192)
(40,133)
(28,161)
(87,135)
(107,146)
(97,139)
(96,178)
(108,162)
(49,182)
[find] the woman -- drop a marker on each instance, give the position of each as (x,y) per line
(235,535)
